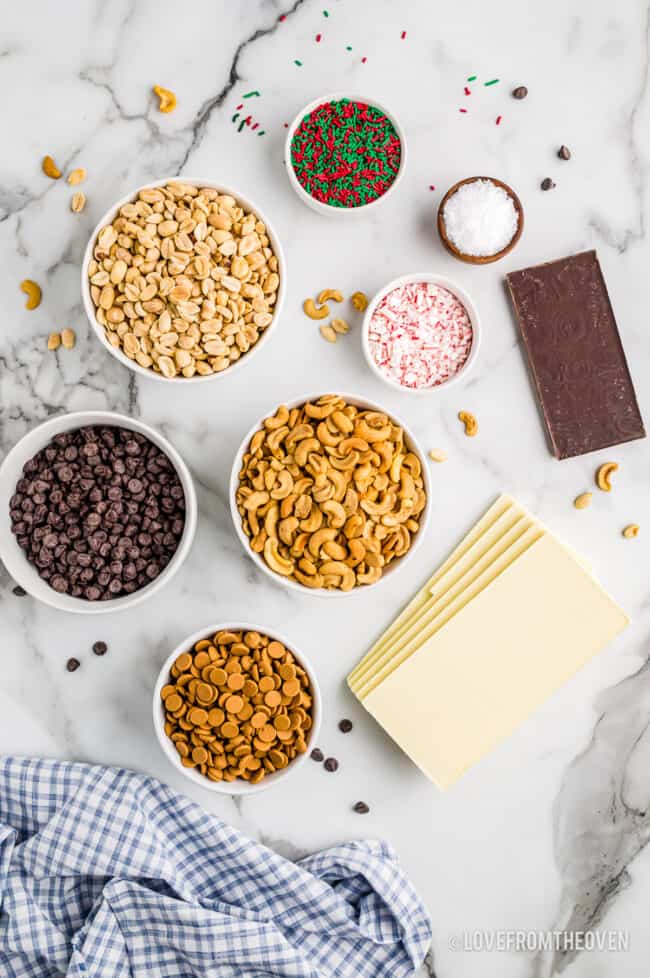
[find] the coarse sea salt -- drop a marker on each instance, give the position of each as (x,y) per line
(480,218)
(420,335)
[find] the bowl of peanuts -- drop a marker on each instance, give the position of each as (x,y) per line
(330,493)
(236,709)
(183,280)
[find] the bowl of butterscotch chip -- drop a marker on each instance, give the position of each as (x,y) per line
(236,709)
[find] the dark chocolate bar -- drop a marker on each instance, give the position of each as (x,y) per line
(575,355)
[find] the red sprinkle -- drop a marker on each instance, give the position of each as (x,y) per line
(255,127)
(318,37)
(240,106)
(363,61)
(286,125)
(499,118)
(282,17)
(468,91)
(403,35)
(432,187)
(462,110)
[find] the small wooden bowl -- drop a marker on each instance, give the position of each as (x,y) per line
(480,259)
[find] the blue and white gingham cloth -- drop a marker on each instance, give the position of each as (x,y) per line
(109,874)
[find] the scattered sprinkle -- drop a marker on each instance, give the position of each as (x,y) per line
(348,48)
(250,94)
(261,132)
(462,110)
(299,63)
(472,78)
(318,38)
(282,17)
(432,186)
(235,117)
(492,82)
(498,120)
(253,128)
(286,125)
(363,61)
(240,106)
(468,91)
(241,125)
(403,35)
(326,13)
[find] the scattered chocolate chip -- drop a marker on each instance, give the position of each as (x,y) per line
(317,755)
(345,726)
(520,92)
(72,665)
(564,153)
(361,808)
(547,184)
(100,648)
(86,499)
(19,591)
(331,764)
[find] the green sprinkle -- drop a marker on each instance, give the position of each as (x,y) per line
(249,94)
(326,13)
(493,82)
(472,78)
(241,125)
(235,117)
(348,48)
(299,63)
(261,132)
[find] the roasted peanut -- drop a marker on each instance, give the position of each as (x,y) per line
(50,169)
(582,501)
(437,455)
(310,309)
(328,333)
(604,474)
(75,177)
(328,294)
(33,293)
(339,326)
(631,531)
(54,341)
(78,202)
(470,423)
(167,99)
(68,338)
(359,301)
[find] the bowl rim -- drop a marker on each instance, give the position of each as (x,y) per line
(366,404)
(13,557)
(234,787)
(89,307)
(480,259)
(328,209)
(461,294)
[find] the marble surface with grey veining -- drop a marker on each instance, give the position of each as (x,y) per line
(550,832)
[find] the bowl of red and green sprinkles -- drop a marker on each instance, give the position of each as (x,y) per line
(344,154)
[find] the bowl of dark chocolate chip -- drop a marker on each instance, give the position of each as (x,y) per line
(98,512)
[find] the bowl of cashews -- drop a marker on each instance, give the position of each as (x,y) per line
(330,493)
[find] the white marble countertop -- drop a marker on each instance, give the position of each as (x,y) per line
(550,831)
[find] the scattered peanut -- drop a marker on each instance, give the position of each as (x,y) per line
(78,202)
(33,293)
(327,294)
(310,309)
(68,338)
(50,169)
(77,176)
(470,423)
(328,333)
(339,326)
(184,280)
(54,341)
(582,501)
(359,301)
(437,455)
(631,531)
(167,99)
(604,474)
(330,493)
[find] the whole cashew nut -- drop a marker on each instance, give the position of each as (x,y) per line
(310,309)
(281,565)
(326,294)
(604,474)
(166,99)
(470,422)
(33,293)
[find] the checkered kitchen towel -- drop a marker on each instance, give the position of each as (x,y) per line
(108,874)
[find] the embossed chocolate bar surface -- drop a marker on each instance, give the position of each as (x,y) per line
(575,354)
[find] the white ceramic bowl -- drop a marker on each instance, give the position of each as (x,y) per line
(342,213)
(238,787)
(460,294)
(395,565)
(90,307)
(13,557)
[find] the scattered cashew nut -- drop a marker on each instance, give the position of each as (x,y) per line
(470,422)
(327,294)
(310,309)
(167,99)
(604,474)
(360,301)
(582,501)
(50,169)
(631,531)
(33,293)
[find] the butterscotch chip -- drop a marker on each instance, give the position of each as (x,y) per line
(267,733)
(291,687)
(167,691)
(282,722)
(203,645)
(197,716)
(201,660)
(182,748)
(183,662)
(205,692)
(234,704)
(286,735)
(266,683)
(272,698)
(276,650)
(245,713)
(258,720)
(253,763)
(236,682)
(250,688)
(229,729)
(218,676)
(278,759)
(173,702)
(199,755)
(287,671)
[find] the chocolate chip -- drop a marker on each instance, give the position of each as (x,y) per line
(100,648)
(547,184)
(345,726)
(72,665)
(520,92)
(317,755)
(361,808)
(564,153)
(19,591)
(331,764)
